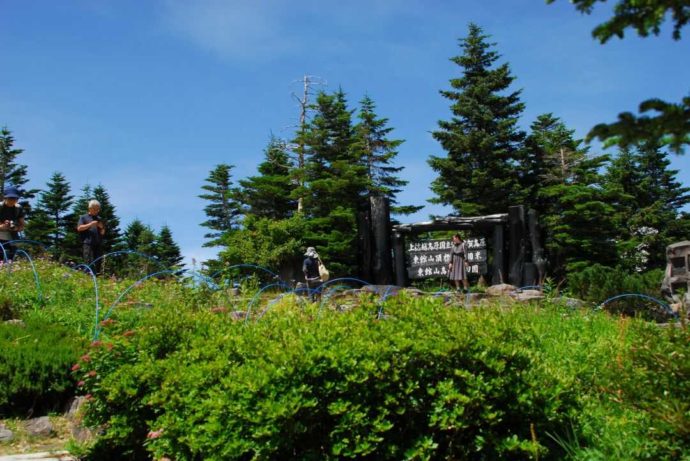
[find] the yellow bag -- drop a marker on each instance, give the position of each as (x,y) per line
(323,272)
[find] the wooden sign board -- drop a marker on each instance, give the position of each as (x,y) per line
(430,258)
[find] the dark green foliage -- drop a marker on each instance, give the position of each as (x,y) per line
(479,175)
(336,183)
(167,251)
(598,283)
(670,123)
(667,125)
(644,16)
(53,214)
(35,361)
(274,244)
(267,195)
(12,173)
(140,238)
(563,183)
(378,153)
(223,211)
(648,200)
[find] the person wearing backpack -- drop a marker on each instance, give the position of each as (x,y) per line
(310,268)
(11,221)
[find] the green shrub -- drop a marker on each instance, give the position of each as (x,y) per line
(427,383)
(35,361)
(598,283)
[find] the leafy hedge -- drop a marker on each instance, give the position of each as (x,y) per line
(427,383)
(35,359)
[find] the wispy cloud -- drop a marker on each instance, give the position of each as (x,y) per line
(244,29)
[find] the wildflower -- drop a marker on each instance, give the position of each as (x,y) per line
(88,396)
(85,358)
(92,374)
(107,322)
(75,367)
(218,309)
(81,383)
(154,434)
(96,343)
(128,333)
(109,346)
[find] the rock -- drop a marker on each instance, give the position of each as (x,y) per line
(415,292)
(75,407)
(529,295)
(502,289)
(80,433)
(6,435)
(39,427)
(572,303)
(387,290)
(18,322)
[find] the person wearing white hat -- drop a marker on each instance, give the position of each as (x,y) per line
(310,268)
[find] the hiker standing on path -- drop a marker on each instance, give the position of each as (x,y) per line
(11,221)
(91,231)
(310,268)
(457,268)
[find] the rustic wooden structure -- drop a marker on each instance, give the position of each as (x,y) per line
(525,264)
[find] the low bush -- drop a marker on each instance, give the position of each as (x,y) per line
(35,361)
(598,283)
(427,383)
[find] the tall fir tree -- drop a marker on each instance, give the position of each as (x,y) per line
(268,195)
(563,183)
(649,203)
(12,173)
(167,251)
(224,210)
(378,153)
(336,182)
(54,205)
(479,175)
(140,238)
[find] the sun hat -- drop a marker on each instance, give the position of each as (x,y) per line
(11,192)
(311,251)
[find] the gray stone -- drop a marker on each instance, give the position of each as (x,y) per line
(573,303)
(75,407)
(39,427)
(6,435)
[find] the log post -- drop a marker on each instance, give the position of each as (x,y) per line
(516,256)
(399,256)
(498,273)
(380,230)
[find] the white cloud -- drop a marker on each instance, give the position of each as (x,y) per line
(242,29)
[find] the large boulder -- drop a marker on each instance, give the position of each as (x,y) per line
(39,427)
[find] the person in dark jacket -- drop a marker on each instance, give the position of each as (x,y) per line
(11,222)
(91,231)
(310,268)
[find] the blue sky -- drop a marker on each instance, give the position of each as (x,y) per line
(147,97)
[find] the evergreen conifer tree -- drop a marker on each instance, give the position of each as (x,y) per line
(167,250)
(479,175)
(267,195)
(378,153)
(336,182)
(649,202)
(563,183)
(54,204)
(12,173)
(223,212)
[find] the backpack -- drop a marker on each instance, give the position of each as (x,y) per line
(323,272)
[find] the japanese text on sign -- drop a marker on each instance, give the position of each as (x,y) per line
(430,258)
